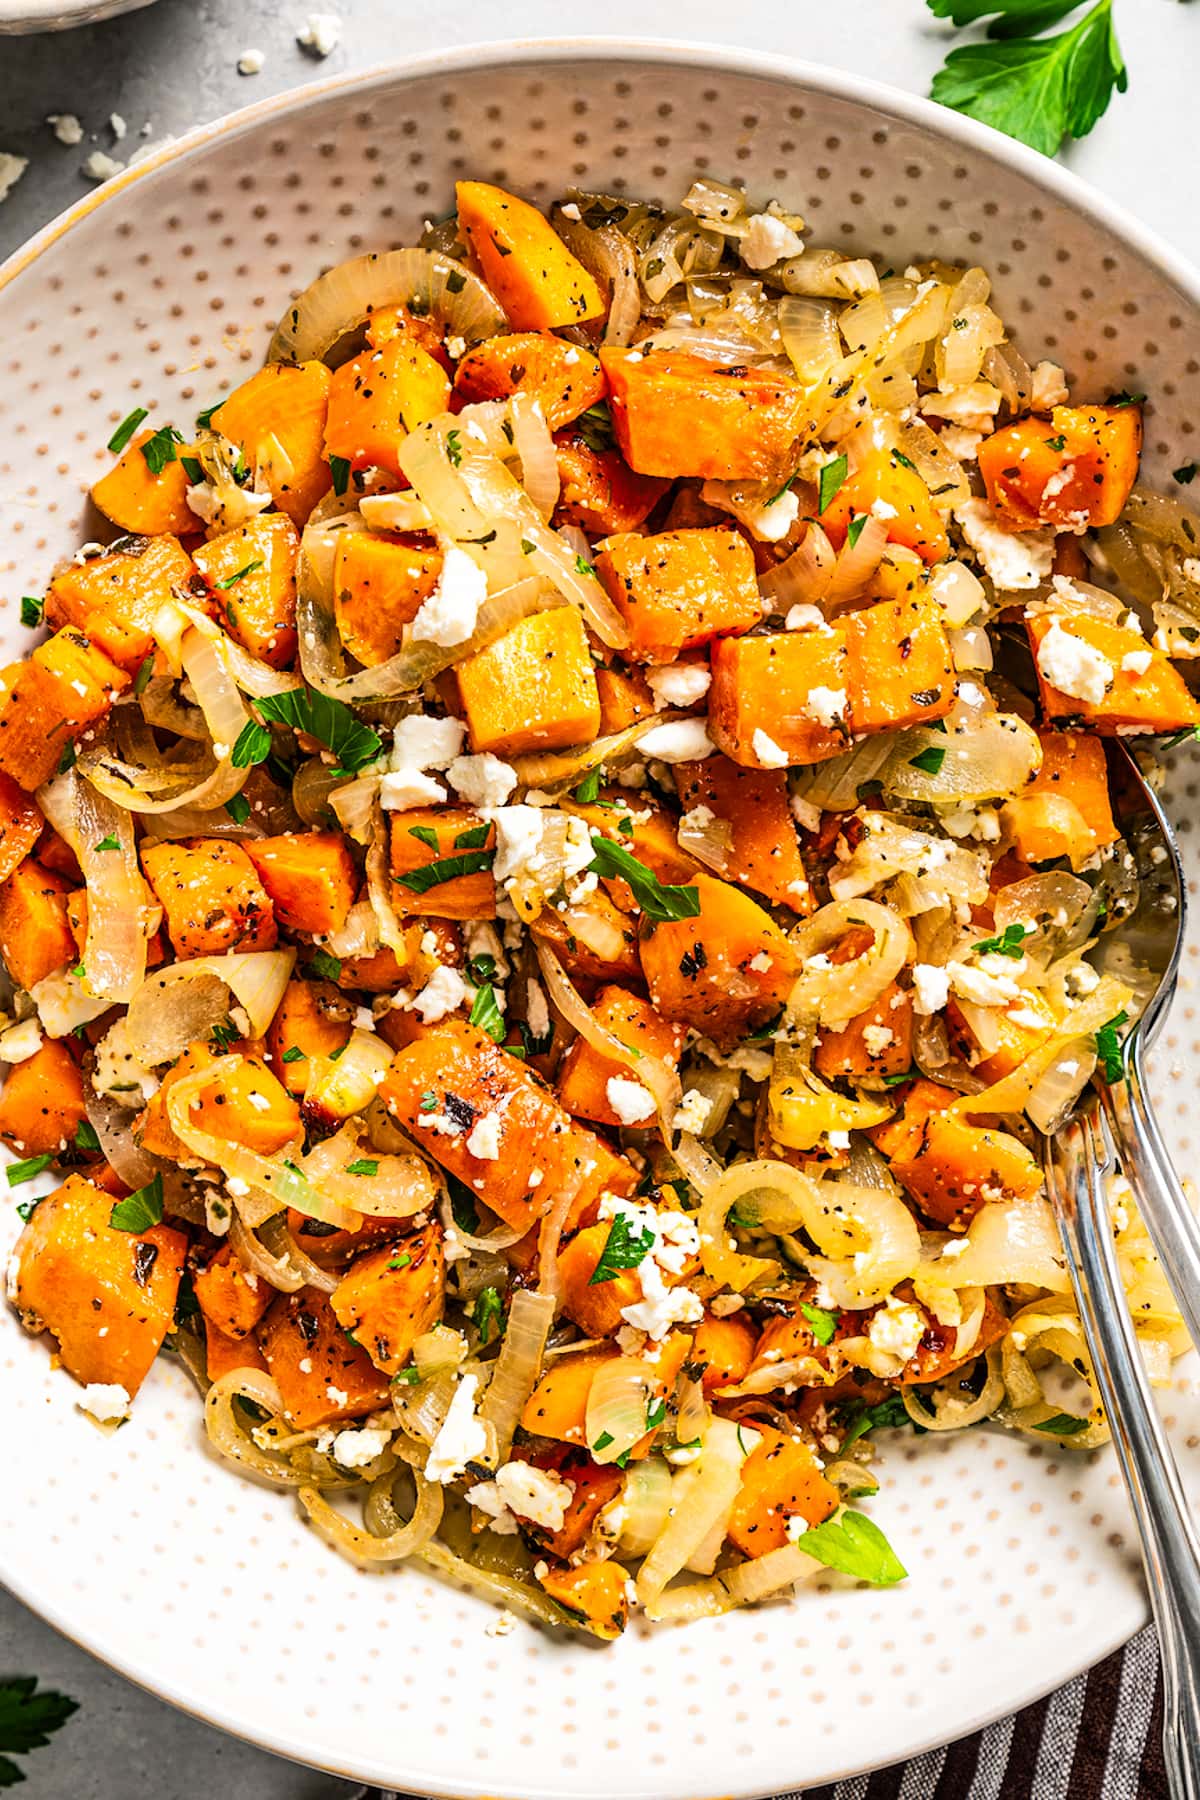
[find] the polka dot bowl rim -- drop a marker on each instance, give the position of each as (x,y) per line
(841,1680)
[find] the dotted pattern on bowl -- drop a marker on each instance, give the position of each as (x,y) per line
(1022,1563)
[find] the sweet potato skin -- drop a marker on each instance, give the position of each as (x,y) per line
(211,896)
(309,878)
(677,590)
(35,933)
(390,1296)
(701,970)
(108,1296)
(536,279)
(42,1106)
(533,689)
(563,378)
(682,415)
(323,1378)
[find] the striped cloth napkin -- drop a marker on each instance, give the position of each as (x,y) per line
(1098,1738)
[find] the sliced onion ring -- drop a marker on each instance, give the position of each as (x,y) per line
(341,300)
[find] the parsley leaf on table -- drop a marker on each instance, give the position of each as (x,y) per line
(1038,89)
(27,1720)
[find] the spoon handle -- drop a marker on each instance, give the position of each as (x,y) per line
(1143,1157)
(1076,1165)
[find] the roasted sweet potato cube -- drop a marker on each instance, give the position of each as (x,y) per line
(781,1479)
(223,1354)
(725,972)
(557,1407)
(679,589)
(1076,471)
(763,851)
(1065,810)
(772,695)
(313,1019)
(20,825)
(872,1046)
(427,880)
(598,491)
(114,598)
(309,877)
(41,1107)
(641,825)
(388,1297)
(252,572)
(534,688)
(584,1073)
(35,934)
(108,1296)
(323,1378)
(593,1594)
(211,896)
(592,1486)
(379,586)
(899,668)
(612,952)
(138,500)
(900,1138)
(233,1298)
(625,697)
(1143,691)
(959,1167)
(724,1349)
(66,685)
(891,490)
(1009,1039)
(377,398)
(563,378)
(529,1149)
(676,414)
(242,1101)
(536,279)
(277,419)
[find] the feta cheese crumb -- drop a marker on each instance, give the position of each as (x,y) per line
(774,520)
(443,993)
(336,1395)
(1081,981)
(804,618)
(1012,559)
(482,780)
(104,1401)
(448,616)
(66,127)
(931,988)
(423,742)
(462,1437)
(981,987)
(768,241)
(631,1102)
(518,841)
(896,1330)
(321,33)
(484,1140)
(503,1623)
(1049,387)
(1074,667)
(117,126)
(20,1042)
(685,740)
(537,1010)
(679,684)
(538,1495)
(11,170)
(827,706)
(402,789)
(355,1449)
(692,1112)
(766,751)
(1136,662)
(877,1038)
(251,62)
(98,167)
(571,211)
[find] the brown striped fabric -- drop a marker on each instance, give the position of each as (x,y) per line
(1098,1738)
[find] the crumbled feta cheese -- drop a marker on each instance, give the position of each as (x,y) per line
(897,1329)
(804,618)
(104,1401)
(20,1042)
(482,780)
(806,815)
(1081,980)
(679,684)
(320,33)
(698,819)
(973,406)
(685,740)
(117,1071)
(117,126)
(826,705)
(11,170)
(449,614)
(1136,662)
(355,1449)
(760,962)
(402,789)
(518,841)
(66,127)
(1011,559)
(774,520)
(931,988)
(979,986)
(766,751)
(227,509)
(98,167)
(338,1396)
(571,211)
(443,993)
(661,1307)
(484,1140)
(878,1038)
(537,1011)
(768,241)
(503,1623)
(961,443)
(631,1102)
(487,1497)
(1049,387)
(538,1495)
(251,62)
(1027,1019)
(462,1438)
(422,742)
(692,1112)
(979,822)
(1073,666)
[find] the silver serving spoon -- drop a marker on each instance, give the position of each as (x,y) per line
(1116,1117)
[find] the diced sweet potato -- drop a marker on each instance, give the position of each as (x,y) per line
(242,1102)
(379,586)
(641,825)
(113,599)
(469,1078)
(278,417)
(377,398)
(1076,471)
(108,1296)
(20,825)
(313,1019)
(625,697)
(211,896)
(598,491)
(1008,1039)
(725,972)
(563,378)
(679,589)
(534,688)
(467,895)
(761,705)
(1065,810)
(899,668)
(608,952)
(781,1480)
(592,1486)
(536,279)
(596,1306)
(557,1408)
(234,1299)
(41,1107)
(876,1044)
(138,500)
(959,1167)
(222,1354)
(763,851)
(252,572)
(900,1138)
(724,1348)
(390,1296)
(584,1073)
(1150,695)
(676,414)
(309,877)
(35,935)
(936,1357)
(593,1593)
(323,1378)
(66,685)
(882,481)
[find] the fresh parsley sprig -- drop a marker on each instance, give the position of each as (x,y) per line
(854,1545)
(27,1720)
(1037,89)
(331,722)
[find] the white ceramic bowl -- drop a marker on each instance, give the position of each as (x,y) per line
(20,17)
(160,290)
